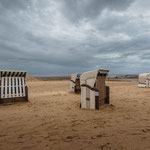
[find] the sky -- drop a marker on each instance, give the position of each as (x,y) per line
(61,37)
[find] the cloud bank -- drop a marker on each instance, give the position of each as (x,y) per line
(62,37)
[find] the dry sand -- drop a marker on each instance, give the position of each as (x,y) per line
(52,120)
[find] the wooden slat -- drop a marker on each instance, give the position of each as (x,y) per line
(13,87)
(16,86)
(2,87)
(9,86)
(5,87)
(23,86)
(20,87)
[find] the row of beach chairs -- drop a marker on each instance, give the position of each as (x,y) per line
(91,85)
(94,92)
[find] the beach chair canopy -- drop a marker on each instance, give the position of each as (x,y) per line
(89,78)
(11,73)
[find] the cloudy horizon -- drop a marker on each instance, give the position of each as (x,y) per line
(61,37)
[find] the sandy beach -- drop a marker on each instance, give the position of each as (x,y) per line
(52,120)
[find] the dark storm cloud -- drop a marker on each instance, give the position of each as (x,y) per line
(66,36)
(89,9)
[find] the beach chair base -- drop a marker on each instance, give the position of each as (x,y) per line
(15,99)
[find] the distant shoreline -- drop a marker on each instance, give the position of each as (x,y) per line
(129,78)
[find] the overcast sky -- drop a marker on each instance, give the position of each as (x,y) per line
(60,37)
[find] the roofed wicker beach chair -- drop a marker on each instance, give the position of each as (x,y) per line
(94,92)
(75,83)
(13,86)
(144,80)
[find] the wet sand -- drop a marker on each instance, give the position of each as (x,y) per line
(52,120)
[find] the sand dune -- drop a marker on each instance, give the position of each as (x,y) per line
(52,120)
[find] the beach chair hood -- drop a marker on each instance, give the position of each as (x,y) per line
(89,78)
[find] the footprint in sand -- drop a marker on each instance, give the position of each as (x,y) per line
(67,139)
(96,136)
(21,136)
(2,135)
(106,146)
(146,130)
(29,147)
(135,134)
(70,138)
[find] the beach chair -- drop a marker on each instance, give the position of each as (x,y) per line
(94,92)
(144,80)
(13,86)
(75,83)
